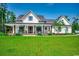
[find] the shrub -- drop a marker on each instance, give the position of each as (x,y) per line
(49,33)
(2,34)
(39,33)
(18,34)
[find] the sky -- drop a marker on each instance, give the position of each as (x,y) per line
(48,10)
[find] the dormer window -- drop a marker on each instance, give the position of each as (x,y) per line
(30,18)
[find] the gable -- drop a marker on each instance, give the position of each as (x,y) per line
(64,20)
(28,16)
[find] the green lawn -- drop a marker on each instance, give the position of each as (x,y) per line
(39,45)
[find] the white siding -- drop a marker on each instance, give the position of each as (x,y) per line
(63,29)
(69,29)
(26,20)
(53,29)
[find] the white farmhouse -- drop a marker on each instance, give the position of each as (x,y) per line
(31,23)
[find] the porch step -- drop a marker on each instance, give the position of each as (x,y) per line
(29,35)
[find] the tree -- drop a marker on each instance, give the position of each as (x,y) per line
(3,8)
(75,24)
(5,16)
(10,16)
(59,23)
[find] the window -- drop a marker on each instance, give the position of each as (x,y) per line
(45,28)
(38,28)
(30,18)
(59,29)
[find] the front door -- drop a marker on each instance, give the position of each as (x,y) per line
(30,29)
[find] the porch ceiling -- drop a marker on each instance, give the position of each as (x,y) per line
(9,24)
(27,24)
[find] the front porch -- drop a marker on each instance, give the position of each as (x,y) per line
(28,29)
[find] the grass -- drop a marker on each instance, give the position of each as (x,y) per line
(56,45)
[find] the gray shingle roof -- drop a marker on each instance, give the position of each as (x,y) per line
(41,17)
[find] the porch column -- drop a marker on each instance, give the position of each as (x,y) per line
(16,29)
(42,29)
(27,29)
(50,29)
(13,30)
(33,29)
